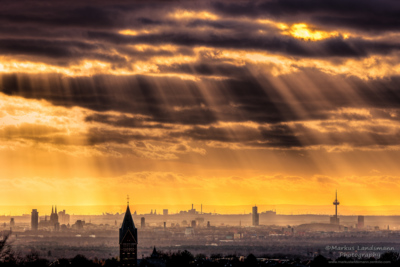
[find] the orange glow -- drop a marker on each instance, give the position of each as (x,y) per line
(187,14)
(21,123)
(303,31)
(133,32)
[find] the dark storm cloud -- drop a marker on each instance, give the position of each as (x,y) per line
(227,89)
(363,15)
(123,121)
(207,69)
(46,48)
(172,100)
(170,103)
(275,136)
(51,29)
(100,136)
(332,47)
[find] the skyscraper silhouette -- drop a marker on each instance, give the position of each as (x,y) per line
(34,219)
(128,240)
(255,217)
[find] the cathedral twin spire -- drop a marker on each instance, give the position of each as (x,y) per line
(52,209)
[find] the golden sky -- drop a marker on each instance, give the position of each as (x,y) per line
(220,103)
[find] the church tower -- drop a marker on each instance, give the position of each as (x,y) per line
(128,241)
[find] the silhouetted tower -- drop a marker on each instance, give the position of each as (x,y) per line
(142,222)
(255,217)
(336,203)
(360,223)
(128,240)
(34,220)
(335,219)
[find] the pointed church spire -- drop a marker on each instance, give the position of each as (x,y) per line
(128,239)
(52,209)
(56,209)
(128,224)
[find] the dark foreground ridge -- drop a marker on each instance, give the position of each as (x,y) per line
(11,258)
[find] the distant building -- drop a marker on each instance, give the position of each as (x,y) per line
(360,223)
(189,212)
(255,217)
(193,223)
(288,231)
(142,222)
(53,219)
(208,224)
(34,220)
(269,213)
(165,225)
(165,211)
(12,222)
(189,231)
(200,220)
(79,224)
(128,241)
(63,217)
(57,226)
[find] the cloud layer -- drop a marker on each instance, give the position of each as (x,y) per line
(286,89)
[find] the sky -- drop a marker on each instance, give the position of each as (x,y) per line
(215,102)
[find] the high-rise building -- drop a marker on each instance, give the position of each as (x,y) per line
(360,223)
(34,219)
(165,212)
(63,217)
(335,219)
(128,241)
(255,217)
(142,222)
